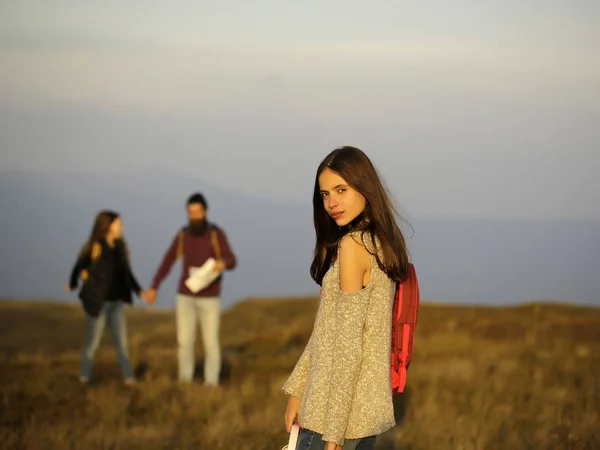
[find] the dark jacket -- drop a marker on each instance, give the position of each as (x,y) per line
(108,277)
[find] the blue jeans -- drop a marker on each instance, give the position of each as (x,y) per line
(189,312)
(112,313)
(309,440)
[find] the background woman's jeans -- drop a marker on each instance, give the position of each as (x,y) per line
(309,440)
(113,314)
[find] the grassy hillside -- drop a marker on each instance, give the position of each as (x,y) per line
(482,378)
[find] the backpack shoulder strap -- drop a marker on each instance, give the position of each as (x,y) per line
(95,253)
(179,250)
(214,237)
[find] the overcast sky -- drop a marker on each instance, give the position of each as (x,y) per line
(468,108)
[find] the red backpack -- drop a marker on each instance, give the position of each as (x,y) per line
(404,322)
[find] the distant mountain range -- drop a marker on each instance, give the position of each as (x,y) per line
(44,218)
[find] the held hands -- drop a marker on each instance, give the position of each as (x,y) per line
(149,296)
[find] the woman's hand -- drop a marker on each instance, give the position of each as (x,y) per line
(291,413)
(332,446)
(68,288)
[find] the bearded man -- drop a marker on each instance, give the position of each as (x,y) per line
(202,245)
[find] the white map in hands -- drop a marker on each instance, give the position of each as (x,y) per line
(202,277)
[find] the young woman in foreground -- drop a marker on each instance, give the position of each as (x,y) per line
(340,390)
(103,264)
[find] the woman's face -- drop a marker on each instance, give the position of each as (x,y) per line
(342,202)
(115,230)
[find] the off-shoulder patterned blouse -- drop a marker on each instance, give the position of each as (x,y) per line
(343,376)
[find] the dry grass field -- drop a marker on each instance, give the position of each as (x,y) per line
(524,377)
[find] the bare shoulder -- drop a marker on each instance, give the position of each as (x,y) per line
(354,262)
(352,241)
(352,248)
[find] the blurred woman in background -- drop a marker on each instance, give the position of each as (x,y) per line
(103,265)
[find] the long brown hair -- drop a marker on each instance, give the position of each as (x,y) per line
(100,228)
(377,219)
